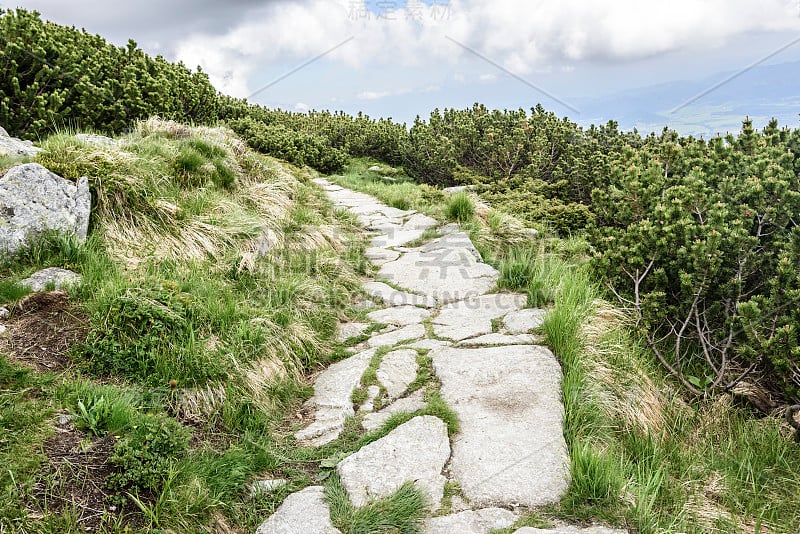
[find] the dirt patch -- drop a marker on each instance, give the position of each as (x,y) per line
(72,481)
(43,328)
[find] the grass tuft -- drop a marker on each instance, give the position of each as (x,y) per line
(403,511)
(460,207)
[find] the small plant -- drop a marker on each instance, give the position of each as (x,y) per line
(146,456)
(208,150)
(189,160)
(518,270)
(460,207)
(93,416)
(139,328)
(328,465)
(540,294)
(222,175)
(403,511)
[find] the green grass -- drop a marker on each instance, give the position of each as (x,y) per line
(460,207)
(11,291)
(401,512)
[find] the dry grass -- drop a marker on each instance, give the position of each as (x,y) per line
(198,406)
(144,214)
(621,384)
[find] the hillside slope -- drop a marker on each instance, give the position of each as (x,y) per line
(152,392)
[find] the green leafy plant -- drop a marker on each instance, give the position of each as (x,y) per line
(145,457)
(94,417)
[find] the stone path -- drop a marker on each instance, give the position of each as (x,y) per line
(439,299)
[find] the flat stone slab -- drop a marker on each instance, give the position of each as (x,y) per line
(350,330)
(332,399)
(390,339)
(510,450)
(397,370)
(415,451)
(412,403)
(471,522)
(523,321)
(301,513)
(395,238)
(393,234)
(399,315)
(419,221)
(429,344)
(59,278)
(473,317)
(452,241)
(450,228)
(392,297)
(446,275)
(570,530)
(379,256)
(490,340)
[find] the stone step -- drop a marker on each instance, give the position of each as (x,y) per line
(301,513)
(332,402)
(415,451)
(510,450)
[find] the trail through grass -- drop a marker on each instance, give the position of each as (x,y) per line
(641,455)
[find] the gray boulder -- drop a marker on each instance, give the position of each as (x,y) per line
(60,278)
(11,146)
(34,200)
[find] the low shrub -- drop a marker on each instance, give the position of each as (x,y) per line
(146,455)
(148,335)
(295,147)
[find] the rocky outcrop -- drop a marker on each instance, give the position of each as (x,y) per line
(11,146)
(34,201)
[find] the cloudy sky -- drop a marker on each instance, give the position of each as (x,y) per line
(401,58)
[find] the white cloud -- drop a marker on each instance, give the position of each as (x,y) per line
(301,106)
(488,77)
(520,35)
(373,95)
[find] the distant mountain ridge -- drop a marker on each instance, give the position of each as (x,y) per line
(761,93)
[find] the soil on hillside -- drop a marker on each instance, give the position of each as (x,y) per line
(43,329)
(72,481)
